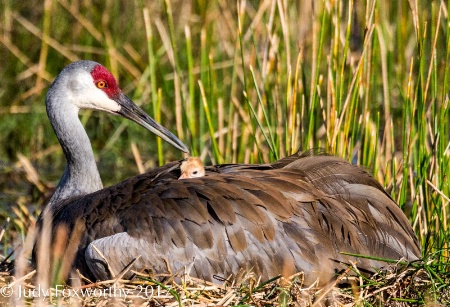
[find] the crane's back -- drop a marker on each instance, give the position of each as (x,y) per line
(298,214)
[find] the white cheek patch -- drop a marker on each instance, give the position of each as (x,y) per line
(85,95)
(98,100)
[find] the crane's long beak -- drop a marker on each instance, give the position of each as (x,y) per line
(131,111)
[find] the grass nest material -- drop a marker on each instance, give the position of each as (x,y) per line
(399,284)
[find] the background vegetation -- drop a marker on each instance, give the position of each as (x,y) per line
(238,81)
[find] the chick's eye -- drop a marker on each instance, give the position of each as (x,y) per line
(194,172)
(101,84)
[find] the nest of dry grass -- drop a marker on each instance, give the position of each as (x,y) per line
(396,285)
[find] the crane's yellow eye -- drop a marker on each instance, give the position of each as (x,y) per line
(101,84)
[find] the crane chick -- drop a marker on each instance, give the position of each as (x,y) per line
(192,168)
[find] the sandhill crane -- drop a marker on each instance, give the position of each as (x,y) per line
(192,167)
(296,214)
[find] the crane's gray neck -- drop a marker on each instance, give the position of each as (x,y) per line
(81,175)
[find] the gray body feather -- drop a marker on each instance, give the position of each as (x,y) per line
(296,215)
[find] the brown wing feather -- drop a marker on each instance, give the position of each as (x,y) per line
(297,215)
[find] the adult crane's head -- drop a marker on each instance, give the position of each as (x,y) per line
(89,85)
